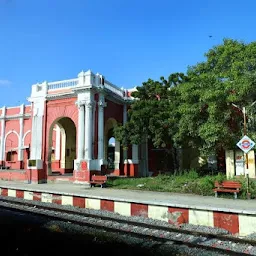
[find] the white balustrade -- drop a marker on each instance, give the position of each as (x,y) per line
(74,82)
(63,84)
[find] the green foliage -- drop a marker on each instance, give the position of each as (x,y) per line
(227,77)
(149,116)
(189,182)
(252,187)
(197,109)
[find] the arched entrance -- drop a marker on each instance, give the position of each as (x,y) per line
(62,146)
(112,152)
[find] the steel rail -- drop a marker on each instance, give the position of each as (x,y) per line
(46,211)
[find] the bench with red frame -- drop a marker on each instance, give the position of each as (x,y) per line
(227,186)
(98,180)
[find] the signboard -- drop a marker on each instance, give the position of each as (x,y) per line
(239,167)
(246,144)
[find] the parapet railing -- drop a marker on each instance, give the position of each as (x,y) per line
(75,82)
(63,84)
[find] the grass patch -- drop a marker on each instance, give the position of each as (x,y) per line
(189,181)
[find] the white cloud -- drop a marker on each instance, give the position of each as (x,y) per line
(5,82)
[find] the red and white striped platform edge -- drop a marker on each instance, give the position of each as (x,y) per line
(240,223)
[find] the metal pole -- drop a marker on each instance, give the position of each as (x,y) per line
(245,131)
(244,121)
(246,158)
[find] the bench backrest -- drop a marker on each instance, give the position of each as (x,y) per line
(99,178)
(228,184)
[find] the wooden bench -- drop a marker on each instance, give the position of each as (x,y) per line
(98,180)
(227,186)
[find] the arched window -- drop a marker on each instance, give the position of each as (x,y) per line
(111,153)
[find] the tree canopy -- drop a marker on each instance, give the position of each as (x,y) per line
(202,108)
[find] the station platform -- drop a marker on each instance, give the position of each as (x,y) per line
(235,215)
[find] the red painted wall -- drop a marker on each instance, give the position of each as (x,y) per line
(12,133)
(113,110)
(13,111)
(55,110)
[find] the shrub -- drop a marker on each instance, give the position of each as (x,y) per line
(206,185)
(192,174)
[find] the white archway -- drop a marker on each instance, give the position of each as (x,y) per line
(24,136)
(65,146)
(5,138)
(108,134)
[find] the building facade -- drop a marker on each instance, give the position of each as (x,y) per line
(66,129)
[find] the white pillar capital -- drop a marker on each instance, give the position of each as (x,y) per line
(102,104)
(89,104)
(80,103)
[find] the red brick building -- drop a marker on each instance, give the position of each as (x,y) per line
(65,130)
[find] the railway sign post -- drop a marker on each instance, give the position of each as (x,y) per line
(246,144)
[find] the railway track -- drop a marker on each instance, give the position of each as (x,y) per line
(219,243)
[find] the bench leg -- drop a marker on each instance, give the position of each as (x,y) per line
(235,195)
(216,194)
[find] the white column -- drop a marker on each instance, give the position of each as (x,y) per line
(135,154)
(57,144)
(63,148)
(20,150)
(2,134)
(81,137)
(101,105)
(93,129)
(117,154)
(88,130)
(38,99)
(124,121)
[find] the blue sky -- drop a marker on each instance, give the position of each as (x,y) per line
(128,41)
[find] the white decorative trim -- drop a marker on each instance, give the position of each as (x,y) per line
(60,96)
(25,134)
(11,131)
(25,116)
(20,151)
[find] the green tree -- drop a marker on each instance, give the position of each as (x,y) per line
(197,109)
(153,114)
(209,119)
